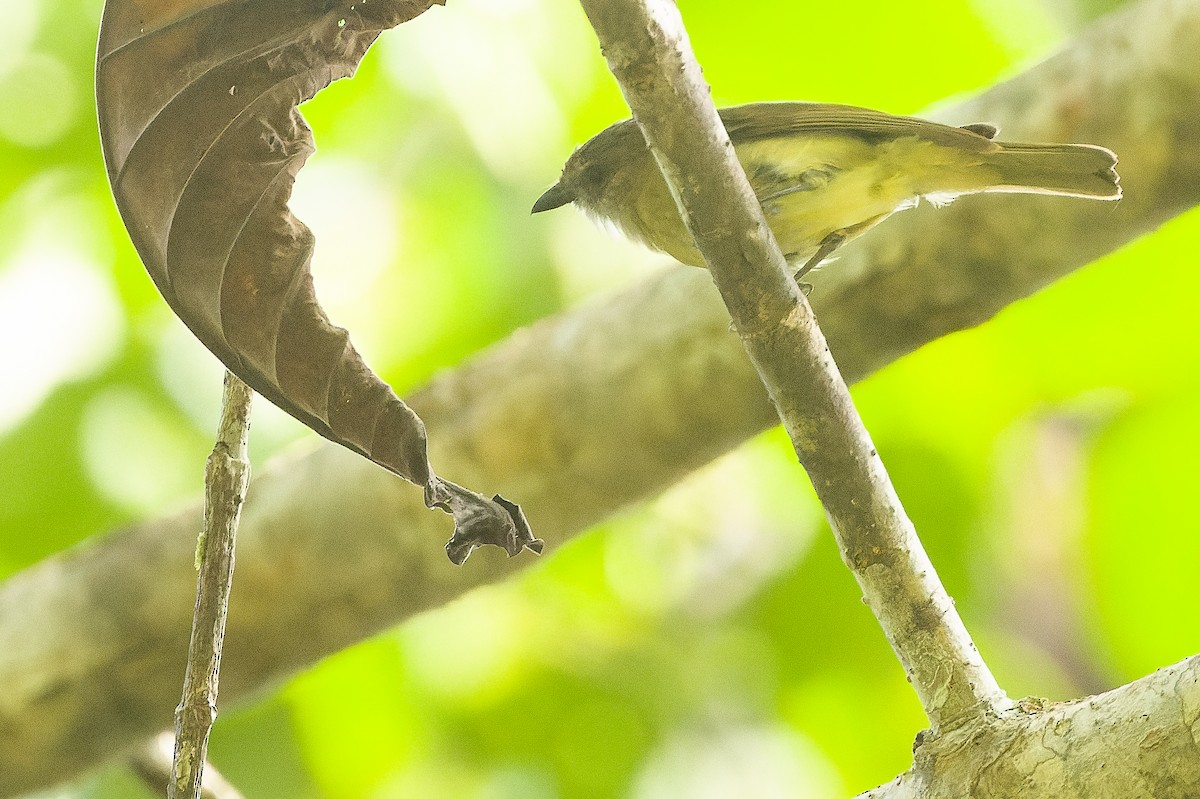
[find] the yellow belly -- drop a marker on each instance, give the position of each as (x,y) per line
(809,187)
(852,181)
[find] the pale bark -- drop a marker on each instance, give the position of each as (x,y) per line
(649,53)
(226,477)
(1139,741)
(152,764)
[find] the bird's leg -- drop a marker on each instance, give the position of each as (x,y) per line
(831,242)
(825,249)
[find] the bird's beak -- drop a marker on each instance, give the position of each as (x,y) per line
(555,196)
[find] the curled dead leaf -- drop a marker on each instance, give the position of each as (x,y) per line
(202,138)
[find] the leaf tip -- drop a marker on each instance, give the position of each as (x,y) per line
(479,521)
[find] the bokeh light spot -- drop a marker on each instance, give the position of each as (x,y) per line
(59,321)
(752,762)
(356,220)
(18,32)
(139,455)
(40,101)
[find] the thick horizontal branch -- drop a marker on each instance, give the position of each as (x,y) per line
(333,549)
(1138,741)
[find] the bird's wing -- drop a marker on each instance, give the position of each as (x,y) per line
(767,120)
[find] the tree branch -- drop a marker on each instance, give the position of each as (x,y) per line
(1138,741)
(91,641)
(152,765)
(225,478)
(649,53)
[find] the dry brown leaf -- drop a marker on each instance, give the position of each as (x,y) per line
(202,137)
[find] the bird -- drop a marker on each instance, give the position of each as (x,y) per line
(824,174)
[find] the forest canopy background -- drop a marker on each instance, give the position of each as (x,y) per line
(1043,456)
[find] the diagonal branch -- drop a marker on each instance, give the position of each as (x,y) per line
(90,641)
(649,53)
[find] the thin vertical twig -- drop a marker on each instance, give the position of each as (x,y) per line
(648,51)
(226,476)
(152,765)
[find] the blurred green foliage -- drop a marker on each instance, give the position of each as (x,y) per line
(708,643)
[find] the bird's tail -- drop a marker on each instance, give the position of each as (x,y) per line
(1072,170)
